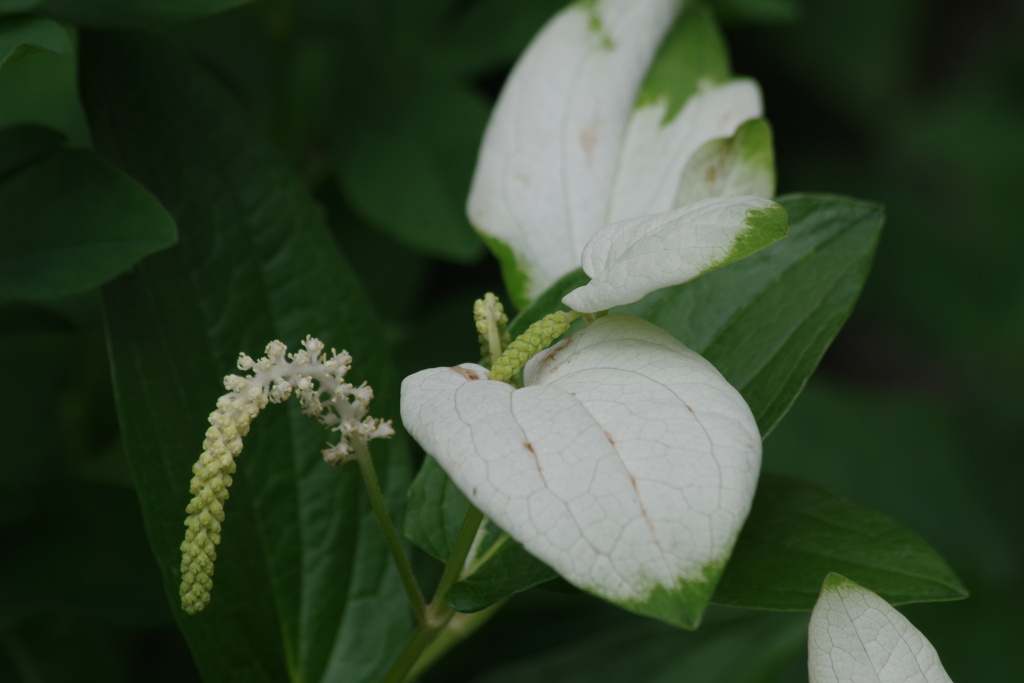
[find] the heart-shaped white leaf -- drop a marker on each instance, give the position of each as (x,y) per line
(629,259)
(627,463)
(857,637)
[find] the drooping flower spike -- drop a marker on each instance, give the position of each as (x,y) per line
(318,381)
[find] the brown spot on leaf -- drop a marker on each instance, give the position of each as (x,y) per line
(589,138)
(611,439)
(529,446)
(710,175)
(474,490)
(468,374)
(689,408)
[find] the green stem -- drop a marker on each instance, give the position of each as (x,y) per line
(422,636)
(457,559)
(412,589)
(438,612)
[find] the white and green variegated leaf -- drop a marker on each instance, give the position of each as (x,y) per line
(686,101)
(546,165)
(856,636)
(597,124)
(626,463)
(628,260)
(743,164)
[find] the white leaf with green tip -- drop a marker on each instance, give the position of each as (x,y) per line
(657,149)
(856,636)
(548,157)
(627,260)
(743,164)
(627,463)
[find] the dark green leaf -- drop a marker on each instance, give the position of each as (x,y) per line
(134,14)
(757,11)
(492,33)
(43,90)
(20,36)
(509,570)
(766,321)
(74,222)
(741,650)
(797,533)
(16,6)
(434,510)
(21,145)
(304,589)
(406,163)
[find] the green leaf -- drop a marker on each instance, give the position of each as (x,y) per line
(491,34)
(434,510)
(797,533)
(304,588)
(757,11)
(21,145)
(76,222)
(753,649)
(692,55)
(17,6)
(766,321)
(134,14)
(21,36)
(406,166)
(506,571)
(43,90)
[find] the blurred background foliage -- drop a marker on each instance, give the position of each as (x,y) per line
(380,104)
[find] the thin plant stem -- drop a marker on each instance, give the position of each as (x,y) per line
(438,612)
(412,588)
(460,550)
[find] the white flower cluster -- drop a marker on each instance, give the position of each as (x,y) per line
(318,381)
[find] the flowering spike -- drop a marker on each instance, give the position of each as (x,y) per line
(491,323)
(318,381)
(535,339)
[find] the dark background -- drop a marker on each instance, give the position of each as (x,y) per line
(915,411)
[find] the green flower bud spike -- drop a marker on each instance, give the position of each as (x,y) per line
(318,382)
(535,339)
(491,323)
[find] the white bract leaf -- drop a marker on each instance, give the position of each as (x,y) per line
(627,463)
(629,259)
(857,637)
(657,147)
(548,157)
(586,132)
(743,164)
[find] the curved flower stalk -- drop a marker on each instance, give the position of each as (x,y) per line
(318,382)
(627,462)
(854,635)
(595,126)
